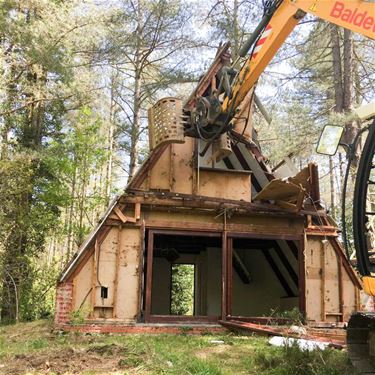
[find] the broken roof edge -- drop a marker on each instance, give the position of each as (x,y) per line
(77,256)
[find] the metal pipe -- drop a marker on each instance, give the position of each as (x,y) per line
(253,37)
(262,109)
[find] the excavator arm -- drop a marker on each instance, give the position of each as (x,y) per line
(279,20)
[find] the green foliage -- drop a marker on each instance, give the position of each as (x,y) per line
(27,214)
(39,303)
(294,315)
(182,293)
(77,317)
(290,360)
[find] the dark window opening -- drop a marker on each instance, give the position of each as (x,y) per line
(264,278)
(104,292)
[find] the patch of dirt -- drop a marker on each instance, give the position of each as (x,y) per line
(217,349)
(100,359)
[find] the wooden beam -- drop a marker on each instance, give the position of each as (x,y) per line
(141,270)
(229,289)
(302,275)
(340,286)
(224,275)
(183,319)
(120,215)
(323,280)
(150,254)
(137,210)
(94,276)
(117,269)
(267,236)
(348,268)
(126,219)
(314,183)
(190,200)
(187,232)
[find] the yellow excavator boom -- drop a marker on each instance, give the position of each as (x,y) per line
(355,15)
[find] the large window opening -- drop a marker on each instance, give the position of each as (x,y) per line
(187,273)
(264,277)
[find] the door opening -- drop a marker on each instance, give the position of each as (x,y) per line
(182,289)
(184,277)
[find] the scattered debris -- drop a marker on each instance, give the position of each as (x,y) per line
(331,339)
(301,343)
(217,342)
(298,330)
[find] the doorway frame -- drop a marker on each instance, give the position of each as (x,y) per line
(153,318)
(299,241)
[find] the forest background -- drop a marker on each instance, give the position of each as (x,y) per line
(76,80)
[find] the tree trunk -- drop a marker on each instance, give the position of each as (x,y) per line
(337,69)
(9,99)
(134,136)
(351,127)
(135,127)
(108,176)
(71,214)
(236,31)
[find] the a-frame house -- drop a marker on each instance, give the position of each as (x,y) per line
(259,245)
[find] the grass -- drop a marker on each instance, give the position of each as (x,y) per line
(32,348)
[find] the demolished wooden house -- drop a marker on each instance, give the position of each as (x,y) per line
(258,244)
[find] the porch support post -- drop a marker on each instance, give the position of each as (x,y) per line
(229,275)
(224,275)
(302,276)
(150,256)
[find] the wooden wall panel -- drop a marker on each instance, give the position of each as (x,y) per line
(159,175)
(182,167)
(330,293)
(82,287)
(227,186)
(128,276)
(332,301)
(106,268)
(314,287)
(349,294)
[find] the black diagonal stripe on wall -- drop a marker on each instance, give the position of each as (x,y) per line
(278,274)
(246,167)
(285,262)
(228,163)
(292,245)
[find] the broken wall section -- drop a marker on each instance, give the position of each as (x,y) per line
(332,288)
